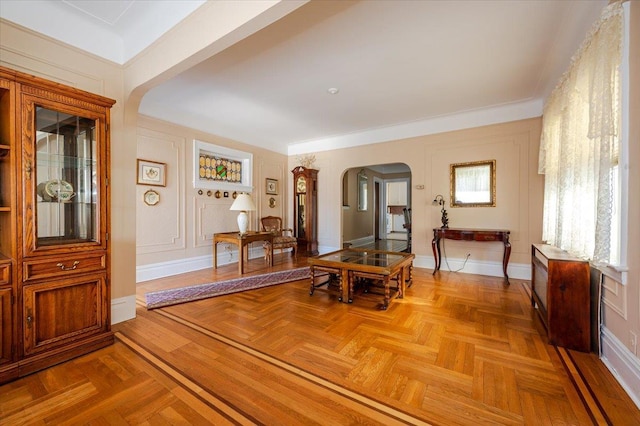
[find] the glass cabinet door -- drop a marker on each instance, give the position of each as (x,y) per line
(66,176)
(301,189)
(62,174)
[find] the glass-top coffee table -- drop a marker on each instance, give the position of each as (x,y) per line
(353,263)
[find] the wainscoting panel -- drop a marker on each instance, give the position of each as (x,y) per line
(266,207)
(614,296)
(212,215)
(161,227)
(514,178)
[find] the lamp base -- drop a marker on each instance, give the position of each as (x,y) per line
(243,222)
(445,219)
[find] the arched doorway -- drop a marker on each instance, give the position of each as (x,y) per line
(376,207)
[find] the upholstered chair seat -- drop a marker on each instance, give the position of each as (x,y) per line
(282,238)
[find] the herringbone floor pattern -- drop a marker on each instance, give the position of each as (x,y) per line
(458,349)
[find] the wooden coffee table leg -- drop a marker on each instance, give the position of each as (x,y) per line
(312,287)
(345,286)
(401,282)
(386,293)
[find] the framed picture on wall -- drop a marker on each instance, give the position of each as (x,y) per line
(152,173)
(271,187)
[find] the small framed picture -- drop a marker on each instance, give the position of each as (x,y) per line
(152,173)
(272,187)
(151,197)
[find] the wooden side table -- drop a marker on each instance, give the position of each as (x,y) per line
(242,241)
(464,234)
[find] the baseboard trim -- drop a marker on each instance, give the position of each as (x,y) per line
(123,309)
(520,271)
(622,363)
(174,267)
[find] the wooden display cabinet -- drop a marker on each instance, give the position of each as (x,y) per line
(560,288)
(8,243)
(305,209)
(54,223)
(6,325)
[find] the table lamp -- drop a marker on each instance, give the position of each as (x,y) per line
(243,203)
(439,201)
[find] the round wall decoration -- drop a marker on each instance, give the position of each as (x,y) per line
(151,197)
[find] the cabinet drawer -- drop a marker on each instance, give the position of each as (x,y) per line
(5,273)
(63,266)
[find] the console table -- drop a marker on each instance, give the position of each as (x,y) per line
(465,234)
(242,241)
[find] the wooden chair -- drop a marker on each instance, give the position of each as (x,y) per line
(282,238)
(407,226)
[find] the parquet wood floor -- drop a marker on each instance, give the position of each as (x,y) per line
(459,349)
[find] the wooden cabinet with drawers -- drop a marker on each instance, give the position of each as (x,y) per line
(561,291)
(54,223)
(6,298)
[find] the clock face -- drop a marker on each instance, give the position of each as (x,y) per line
(301,185)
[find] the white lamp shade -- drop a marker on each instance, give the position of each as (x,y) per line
(244,203)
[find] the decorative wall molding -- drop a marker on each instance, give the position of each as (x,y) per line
(511,151)
(615,297)
(272,170)
(623,364)
(211,216)
(162,227)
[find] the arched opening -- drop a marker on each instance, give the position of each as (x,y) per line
(376,207)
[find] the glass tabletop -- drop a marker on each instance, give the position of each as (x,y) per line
(370,258)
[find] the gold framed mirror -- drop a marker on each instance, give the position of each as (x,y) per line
(473,184)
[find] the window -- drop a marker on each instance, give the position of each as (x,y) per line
(581,149)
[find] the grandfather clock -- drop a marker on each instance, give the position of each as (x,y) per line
(305,209)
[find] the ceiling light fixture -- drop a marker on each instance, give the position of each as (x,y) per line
(332,91)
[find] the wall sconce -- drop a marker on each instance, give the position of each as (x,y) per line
(439,201)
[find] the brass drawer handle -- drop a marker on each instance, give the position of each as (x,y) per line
(71,268)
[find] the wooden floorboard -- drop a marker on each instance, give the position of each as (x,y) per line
(458,349)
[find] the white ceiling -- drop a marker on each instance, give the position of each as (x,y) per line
(403,68)
(113,29)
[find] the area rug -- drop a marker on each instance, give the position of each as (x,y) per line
(173,296)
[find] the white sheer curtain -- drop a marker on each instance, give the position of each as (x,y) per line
(473,184)
(579,144)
